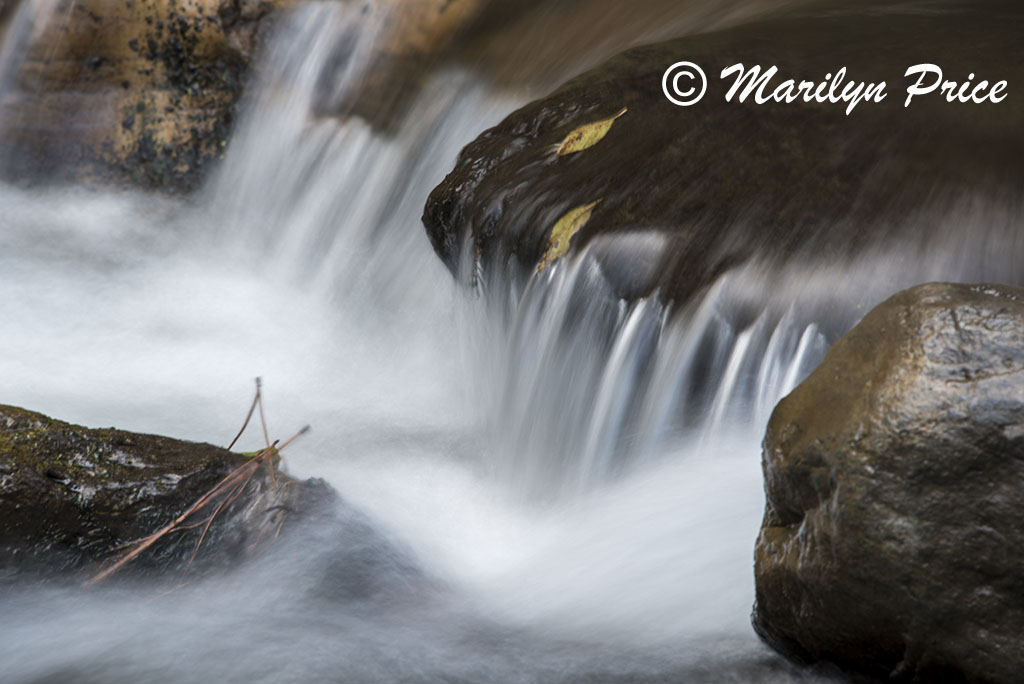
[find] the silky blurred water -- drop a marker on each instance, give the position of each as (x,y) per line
(485,559)
(543,484)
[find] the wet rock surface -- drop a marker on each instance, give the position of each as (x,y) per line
(71,496)
(726,182)
(141,93)
(893,535)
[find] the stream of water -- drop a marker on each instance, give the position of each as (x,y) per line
(528,496)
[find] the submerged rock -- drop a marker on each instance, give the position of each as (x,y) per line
(893,537)
(727,182)
(71,496)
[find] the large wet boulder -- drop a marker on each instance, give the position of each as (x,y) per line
(893,536)
(727,182)
(71,497)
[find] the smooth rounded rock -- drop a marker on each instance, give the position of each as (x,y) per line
(893,536)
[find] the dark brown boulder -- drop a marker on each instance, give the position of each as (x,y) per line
(70,496)
(728,182)
(893,537)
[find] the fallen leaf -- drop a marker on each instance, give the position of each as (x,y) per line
(561,234)
(587,136)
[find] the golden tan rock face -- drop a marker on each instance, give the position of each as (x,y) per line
(141,91)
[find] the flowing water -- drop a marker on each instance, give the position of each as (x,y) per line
(543,484)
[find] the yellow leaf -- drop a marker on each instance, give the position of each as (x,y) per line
(588,135)
(561,234)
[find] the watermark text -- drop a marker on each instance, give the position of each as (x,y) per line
(685,84)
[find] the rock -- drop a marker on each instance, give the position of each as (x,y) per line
(5,13)
(536,45)
(893,536)
(413,37)
(143,93)
(70,496)
(140,93)
(725,182)
(527,44)
(96,101)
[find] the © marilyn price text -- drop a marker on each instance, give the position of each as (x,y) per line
(686,84)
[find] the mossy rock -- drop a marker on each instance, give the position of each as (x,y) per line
(70,496)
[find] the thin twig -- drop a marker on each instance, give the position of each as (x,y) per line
(294,437)
(263,419)
(248,416)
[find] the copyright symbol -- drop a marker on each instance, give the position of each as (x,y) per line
(684,84)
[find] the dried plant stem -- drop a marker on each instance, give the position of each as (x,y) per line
(224,493)
(248,416)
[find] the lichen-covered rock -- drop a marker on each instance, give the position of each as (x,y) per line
(143,92)
(893,536)
(139,92)
(70,496)
(728,182)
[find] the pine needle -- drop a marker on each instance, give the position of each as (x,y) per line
(225,493)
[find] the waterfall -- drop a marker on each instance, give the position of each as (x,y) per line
(593,386)
(22,30)
(336,203)
(544,482)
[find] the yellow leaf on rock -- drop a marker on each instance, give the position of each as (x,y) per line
(588,135)
(561,234)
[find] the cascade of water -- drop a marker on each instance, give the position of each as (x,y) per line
(635,425)
(594,387)
(23,29)
(28,20)
(333,202)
